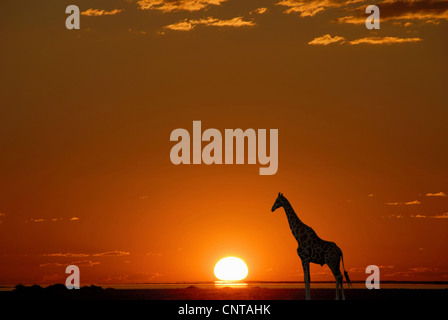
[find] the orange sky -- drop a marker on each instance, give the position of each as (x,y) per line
(86,116)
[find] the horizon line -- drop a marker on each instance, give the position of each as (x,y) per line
(235,282)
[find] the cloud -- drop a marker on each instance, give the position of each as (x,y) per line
(51,264)
(418,216)
(112,254)
(49,220)
(412,202)
(427,11)
(66,255)
(352,19)
(309,8)
(99,12)
(386,267)
(383,40)
(177,5)
(409,203)
(440,216)
(115,253)
(259,11)
(396,216)
(326,40)
(85,263)
(438,194)
(180,26)
(363,269)
(235,22)
(188,25)
(81,263)
(393,203)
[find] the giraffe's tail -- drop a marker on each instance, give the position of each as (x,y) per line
(345,272)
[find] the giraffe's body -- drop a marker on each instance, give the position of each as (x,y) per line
(313,249)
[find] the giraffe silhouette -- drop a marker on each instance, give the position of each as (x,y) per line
(313,249)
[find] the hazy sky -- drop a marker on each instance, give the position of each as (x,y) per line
(86,116)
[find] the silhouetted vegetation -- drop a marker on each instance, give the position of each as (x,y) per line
(58,292)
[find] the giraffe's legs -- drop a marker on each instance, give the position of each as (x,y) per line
(339,280)
(306,273)
(337,288)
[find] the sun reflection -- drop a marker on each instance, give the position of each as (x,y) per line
(230,283)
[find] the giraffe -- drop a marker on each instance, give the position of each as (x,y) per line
(313,249)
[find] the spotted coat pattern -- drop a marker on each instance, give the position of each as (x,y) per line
(313,249)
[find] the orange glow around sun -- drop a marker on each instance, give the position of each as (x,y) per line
(231,269)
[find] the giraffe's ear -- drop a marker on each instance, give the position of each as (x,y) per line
(279,194)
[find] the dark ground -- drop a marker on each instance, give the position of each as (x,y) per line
(60,292)
(283,303)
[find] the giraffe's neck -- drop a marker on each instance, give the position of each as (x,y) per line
(293,220)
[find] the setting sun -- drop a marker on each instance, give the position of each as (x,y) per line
(231,269)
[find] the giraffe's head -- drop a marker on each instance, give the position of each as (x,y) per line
(278,202)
